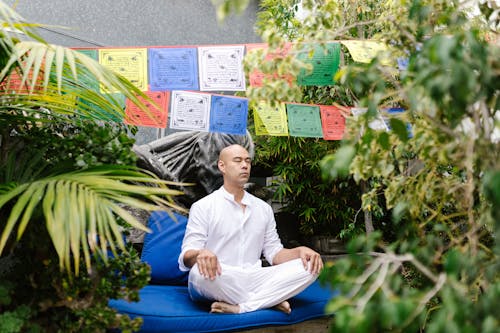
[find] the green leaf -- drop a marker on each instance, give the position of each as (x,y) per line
(399,211)
(452,262)
(383,140)
(81,209)
(491,189)
(337,164)
(399,127)
(6,196)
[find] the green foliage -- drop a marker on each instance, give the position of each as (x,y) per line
(276,20)
(226,7)
(33,286)
(42,298)
(432,188)
(323,208)
(491,189)
(55,90)
(338,164)
(431,181)
(66,174)
(85,144)
(13,321)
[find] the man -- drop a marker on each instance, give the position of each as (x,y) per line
(227,232)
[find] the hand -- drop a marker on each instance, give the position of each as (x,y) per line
(208,264)
(313,258)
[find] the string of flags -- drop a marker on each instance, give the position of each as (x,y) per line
(185,83)
(197,111)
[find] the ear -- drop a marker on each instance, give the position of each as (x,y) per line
(220,164)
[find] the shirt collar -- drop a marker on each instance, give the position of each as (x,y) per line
(245,200)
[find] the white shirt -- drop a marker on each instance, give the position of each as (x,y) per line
(237,237)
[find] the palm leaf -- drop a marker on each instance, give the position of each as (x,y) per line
(81,209)
(70,80)
(57,78)
(43,83)
(11,21)
(29,199)
(19,166)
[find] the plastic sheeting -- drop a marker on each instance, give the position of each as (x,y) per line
(189,157)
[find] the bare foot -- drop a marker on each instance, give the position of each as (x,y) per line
(221,307)
(284,307)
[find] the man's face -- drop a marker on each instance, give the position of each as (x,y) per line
(235,164)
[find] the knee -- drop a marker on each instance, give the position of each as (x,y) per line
(296,268)
(200,282)
(223,280)
(194,274)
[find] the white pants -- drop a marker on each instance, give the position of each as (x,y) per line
(251,288)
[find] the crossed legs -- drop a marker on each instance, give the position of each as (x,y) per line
(239,290)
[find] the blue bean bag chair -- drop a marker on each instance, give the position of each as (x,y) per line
(165,305)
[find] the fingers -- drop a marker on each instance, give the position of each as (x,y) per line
(219,269)
(208,264)
(313,259)
(316,264)
(305,262)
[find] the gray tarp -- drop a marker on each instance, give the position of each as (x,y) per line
(189,157)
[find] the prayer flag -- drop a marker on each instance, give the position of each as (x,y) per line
(324,60)
(13,83)
(304,120)
(173,69)
(256,76)
(190,111)
(333,122)
(365,50)
(270,120)
(157,115)
(85,77)
(229,115)
(221,68)
(91,53)
(128,62)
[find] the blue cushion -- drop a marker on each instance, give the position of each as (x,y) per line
(169,309)
(165,305)
(162,247)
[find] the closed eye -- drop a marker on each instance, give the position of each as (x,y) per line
(239,159)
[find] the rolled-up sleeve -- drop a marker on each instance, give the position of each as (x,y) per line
(195,237)
(272,242)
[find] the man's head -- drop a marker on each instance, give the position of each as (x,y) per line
(234,164)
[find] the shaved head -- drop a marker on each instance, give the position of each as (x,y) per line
(228,151)
(235,164)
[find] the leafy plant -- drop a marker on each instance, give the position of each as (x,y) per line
(48,91)
(31,271)
(42,298)
(322,208)
(66,173)
(226,7)
(433,184)
(429,179)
